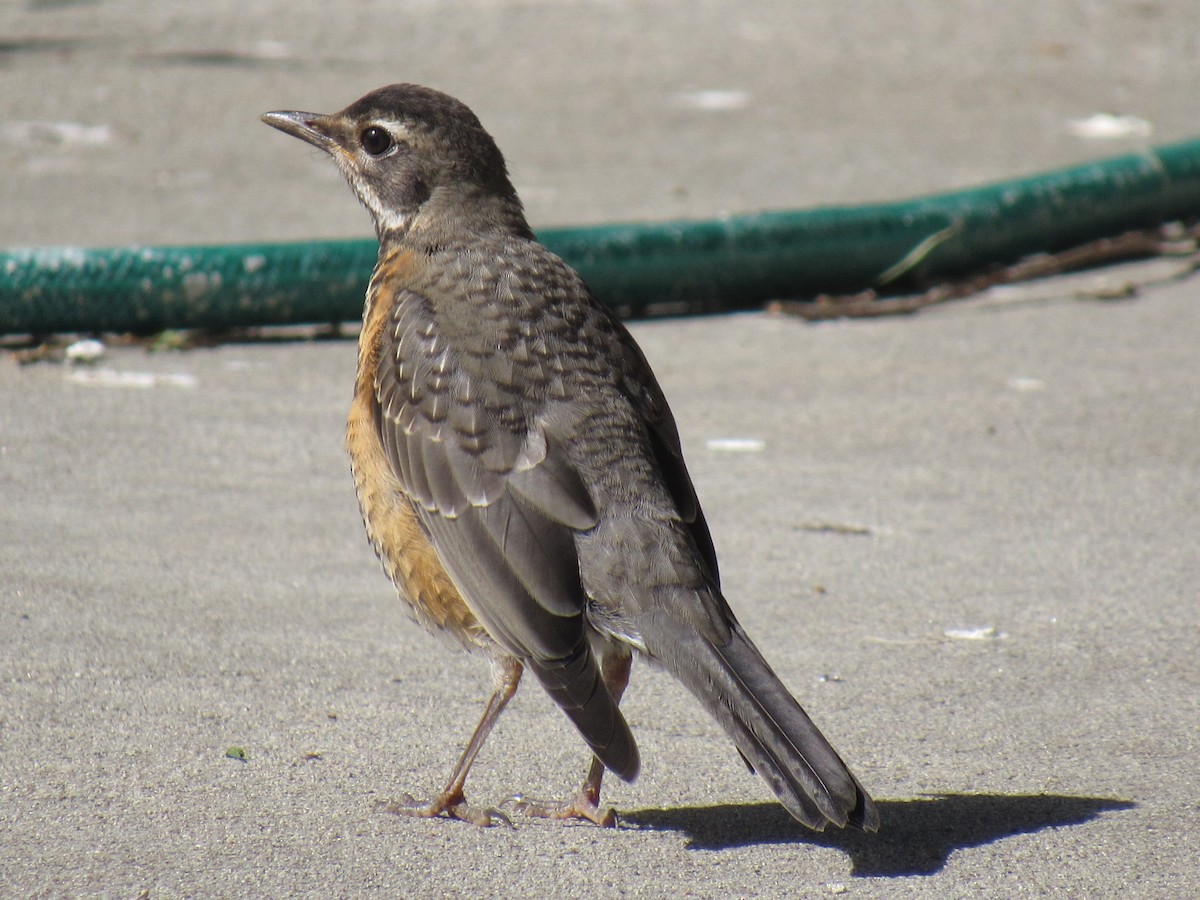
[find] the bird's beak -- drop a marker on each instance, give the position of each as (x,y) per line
(312,127)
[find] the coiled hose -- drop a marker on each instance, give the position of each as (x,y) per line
(641,269)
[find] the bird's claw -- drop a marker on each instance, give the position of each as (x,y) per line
(582,807)
(450,806)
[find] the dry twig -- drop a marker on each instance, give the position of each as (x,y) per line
(1166,240)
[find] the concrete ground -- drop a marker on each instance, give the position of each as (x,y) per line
(967,539)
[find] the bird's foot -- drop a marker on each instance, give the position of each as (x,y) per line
(584,807)
(450,805)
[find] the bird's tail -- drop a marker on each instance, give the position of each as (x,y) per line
(773,733)
(577,686)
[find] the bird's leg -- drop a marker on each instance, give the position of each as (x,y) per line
(586,804)
(451,801)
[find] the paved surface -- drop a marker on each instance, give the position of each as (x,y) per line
(967,538)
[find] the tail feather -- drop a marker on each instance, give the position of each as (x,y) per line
(576,685)
(771,730)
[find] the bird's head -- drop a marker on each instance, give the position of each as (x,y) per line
(408,151)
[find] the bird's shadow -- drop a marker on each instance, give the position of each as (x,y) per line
(916,837)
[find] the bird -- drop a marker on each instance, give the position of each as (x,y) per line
(521,476)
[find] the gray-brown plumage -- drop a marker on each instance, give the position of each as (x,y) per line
(520,473)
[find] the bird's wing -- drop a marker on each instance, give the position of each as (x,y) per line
(501,502)
(498,498)
(644,392)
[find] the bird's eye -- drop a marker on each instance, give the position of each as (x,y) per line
(375,140)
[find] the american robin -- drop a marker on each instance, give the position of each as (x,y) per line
(520,473)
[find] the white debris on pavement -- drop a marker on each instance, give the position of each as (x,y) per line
(1107,127)
(116,378)
(711,101)
(735,445)
(983,633)
(87,350)
(44,133)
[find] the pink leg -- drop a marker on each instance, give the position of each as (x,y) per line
(451,801)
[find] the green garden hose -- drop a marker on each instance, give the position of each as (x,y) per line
(641,269)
